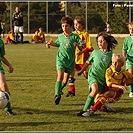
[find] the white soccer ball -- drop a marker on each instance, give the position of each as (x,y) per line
(4,99)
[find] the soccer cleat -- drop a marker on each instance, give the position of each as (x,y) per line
(88,113)
(57,99)
(131,94)
(80,113)
(70,94)
(10,113)
(108,109)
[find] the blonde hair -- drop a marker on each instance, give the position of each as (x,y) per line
(119,57)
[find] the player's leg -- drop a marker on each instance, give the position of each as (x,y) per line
(58,86)
(65,80)
(16,34)
(21,30)
(130,70)
(71,85)
(102,99)
(90,99)
(4,87)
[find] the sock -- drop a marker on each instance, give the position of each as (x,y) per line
(71,85)
(63,85)
(8,106)
(99,103)
(89,102)
(58,87)
(131,88)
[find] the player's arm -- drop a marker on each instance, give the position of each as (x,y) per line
(84,67)
(6,62)
(118,87)
(86,50)
(124,54)
(50,43)
(89,47)
(79,47)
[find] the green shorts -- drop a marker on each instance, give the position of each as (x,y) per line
(68,69)
(129,63)
(92,80)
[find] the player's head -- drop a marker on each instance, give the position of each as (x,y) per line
(79,23)
(110,40)
(118,61)
(67,24)
(130,28)
(67,20)
(40,29)
(107,22)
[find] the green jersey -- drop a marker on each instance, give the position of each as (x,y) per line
(128,48)
(2,53)
(100,62)
(65,59)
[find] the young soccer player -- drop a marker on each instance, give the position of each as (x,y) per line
(41,35)
(99,61)
(65,60)
(81,56)
(3,84)
(127,52)
(35,37)
(10,38)
(116,80)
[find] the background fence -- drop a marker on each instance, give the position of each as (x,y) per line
(48,14)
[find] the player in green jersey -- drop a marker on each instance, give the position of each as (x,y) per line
(127,52)
(65,59)
(117,80)
(99,61)
(3,84)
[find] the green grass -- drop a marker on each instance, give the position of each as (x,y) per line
(32,91)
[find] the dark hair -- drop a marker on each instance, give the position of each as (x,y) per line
(111,41)
(67,20)
(80,20)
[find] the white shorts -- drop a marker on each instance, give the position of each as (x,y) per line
(18,29)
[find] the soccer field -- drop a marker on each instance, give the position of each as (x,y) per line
(32,96)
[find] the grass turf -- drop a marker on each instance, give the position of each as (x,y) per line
(32,92)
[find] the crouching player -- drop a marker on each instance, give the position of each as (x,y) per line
(117,80)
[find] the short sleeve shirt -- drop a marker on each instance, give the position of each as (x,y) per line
(100,62)
(65,59)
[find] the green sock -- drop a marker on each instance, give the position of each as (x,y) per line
(63,85)
(131,88)
(58,87)
(8,106)
(89,102)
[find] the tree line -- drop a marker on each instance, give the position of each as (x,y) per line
(118,15)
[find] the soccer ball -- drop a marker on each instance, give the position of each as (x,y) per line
(4,99)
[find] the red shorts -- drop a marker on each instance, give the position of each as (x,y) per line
(79,67)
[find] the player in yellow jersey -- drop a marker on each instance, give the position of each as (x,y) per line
(116,80)
(81,56)
(41,35)
(10,38)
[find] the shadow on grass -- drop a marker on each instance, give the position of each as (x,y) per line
(99,117)
(30,111)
